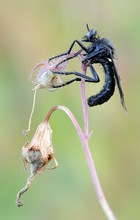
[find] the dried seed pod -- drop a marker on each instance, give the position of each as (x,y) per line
(38,153)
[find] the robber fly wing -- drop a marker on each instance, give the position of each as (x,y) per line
(117,77)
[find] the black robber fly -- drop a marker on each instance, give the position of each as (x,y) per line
(100,51)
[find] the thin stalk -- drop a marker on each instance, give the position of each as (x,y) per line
(83,99)
(84,140)
(98,189)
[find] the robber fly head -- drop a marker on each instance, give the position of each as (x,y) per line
(91,35)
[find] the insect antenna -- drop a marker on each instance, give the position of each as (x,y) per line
(87,27)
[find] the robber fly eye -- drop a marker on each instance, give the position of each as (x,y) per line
(91,34)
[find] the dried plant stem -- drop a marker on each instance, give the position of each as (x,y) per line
(24,189)
(26,131)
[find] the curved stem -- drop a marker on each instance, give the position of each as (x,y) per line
(98,189)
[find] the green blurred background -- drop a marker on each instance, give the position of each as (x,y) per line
(31,31)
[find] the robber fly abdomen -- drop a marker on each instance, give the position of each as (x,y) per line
(109,85)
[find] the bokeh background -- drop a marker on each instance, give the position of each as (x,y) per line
(31,31)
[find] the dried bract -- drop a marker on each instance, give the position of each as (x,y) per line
(38,153)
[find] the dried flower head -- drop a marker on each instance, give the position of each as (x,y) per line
(38,153)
